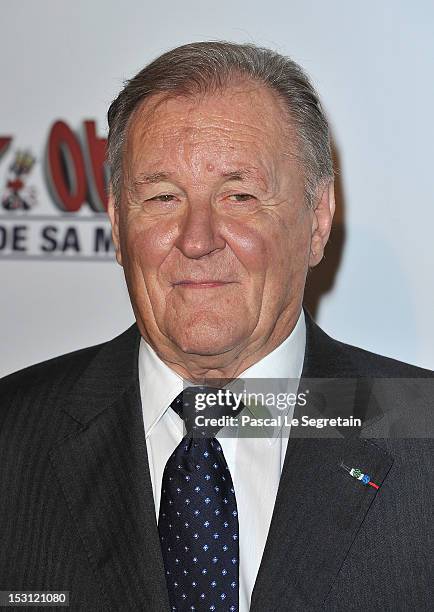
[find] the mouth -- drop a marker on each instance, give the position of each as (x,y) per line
(205,284)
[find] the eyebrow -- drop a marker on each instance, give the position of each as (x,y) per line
(236,175)
(240,175)
(154,177)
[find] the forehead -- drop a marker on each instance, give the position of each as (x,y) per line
(246,119)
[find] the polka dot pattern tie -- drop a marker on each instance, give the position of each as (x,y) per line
(198,524)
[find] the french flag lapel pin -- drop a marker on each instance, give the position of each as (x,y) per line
(357,473)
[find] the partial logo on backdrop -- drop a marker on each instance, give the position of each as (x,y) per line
(53,202)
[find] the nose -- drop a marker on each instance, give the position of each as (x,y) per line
(199,233)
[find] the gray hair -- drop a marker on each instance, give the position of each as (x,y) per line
(208,66)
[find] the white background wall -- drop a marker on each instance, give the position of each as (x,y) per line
(372,63)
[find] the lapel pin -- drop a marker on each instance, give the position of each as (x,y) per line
(359,475)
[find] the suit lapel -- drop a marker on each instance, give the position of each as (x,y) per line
(103,471)
(319,506)
(318,511)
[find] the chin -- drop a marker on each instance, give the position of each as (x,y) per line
(207,336)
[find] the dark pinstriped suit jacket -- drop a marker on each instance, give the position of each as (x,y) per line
(77,510)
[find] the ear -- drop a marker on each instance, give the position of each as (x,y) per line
(322,218)
(113,213)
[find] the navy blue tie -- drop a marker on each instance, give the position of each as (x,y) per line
(198,519)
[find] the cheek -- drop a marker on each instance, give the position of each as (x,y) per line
(291,247)
(249,245)
(145,249)
(147,245)
(287,251)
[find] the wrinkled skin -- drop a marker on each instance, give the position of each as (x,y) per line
(213,230)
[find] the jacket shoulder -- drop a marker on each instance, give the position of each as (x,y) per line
(373,364)
(63,371)
(35,402)
(327,357)
(57,376)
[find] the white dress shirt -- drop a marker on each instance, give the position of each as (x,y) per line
(255,463)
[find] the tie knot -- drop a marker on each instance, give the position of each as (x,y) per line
(205,410)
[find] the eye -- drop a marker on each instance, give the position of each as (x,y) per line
(242,197)
(164,197)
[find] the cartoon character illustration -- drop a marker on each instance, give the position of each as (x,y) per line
(17,196)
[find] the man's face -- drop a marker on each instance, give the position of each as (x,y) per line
(213,231)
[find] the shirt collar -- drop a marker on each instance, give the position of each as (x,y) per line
(286,360)
(159,384)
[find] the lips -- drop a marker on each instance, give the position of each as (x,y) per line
(201,284)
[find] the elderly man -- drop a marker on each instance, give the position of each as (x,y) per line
(221,200)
